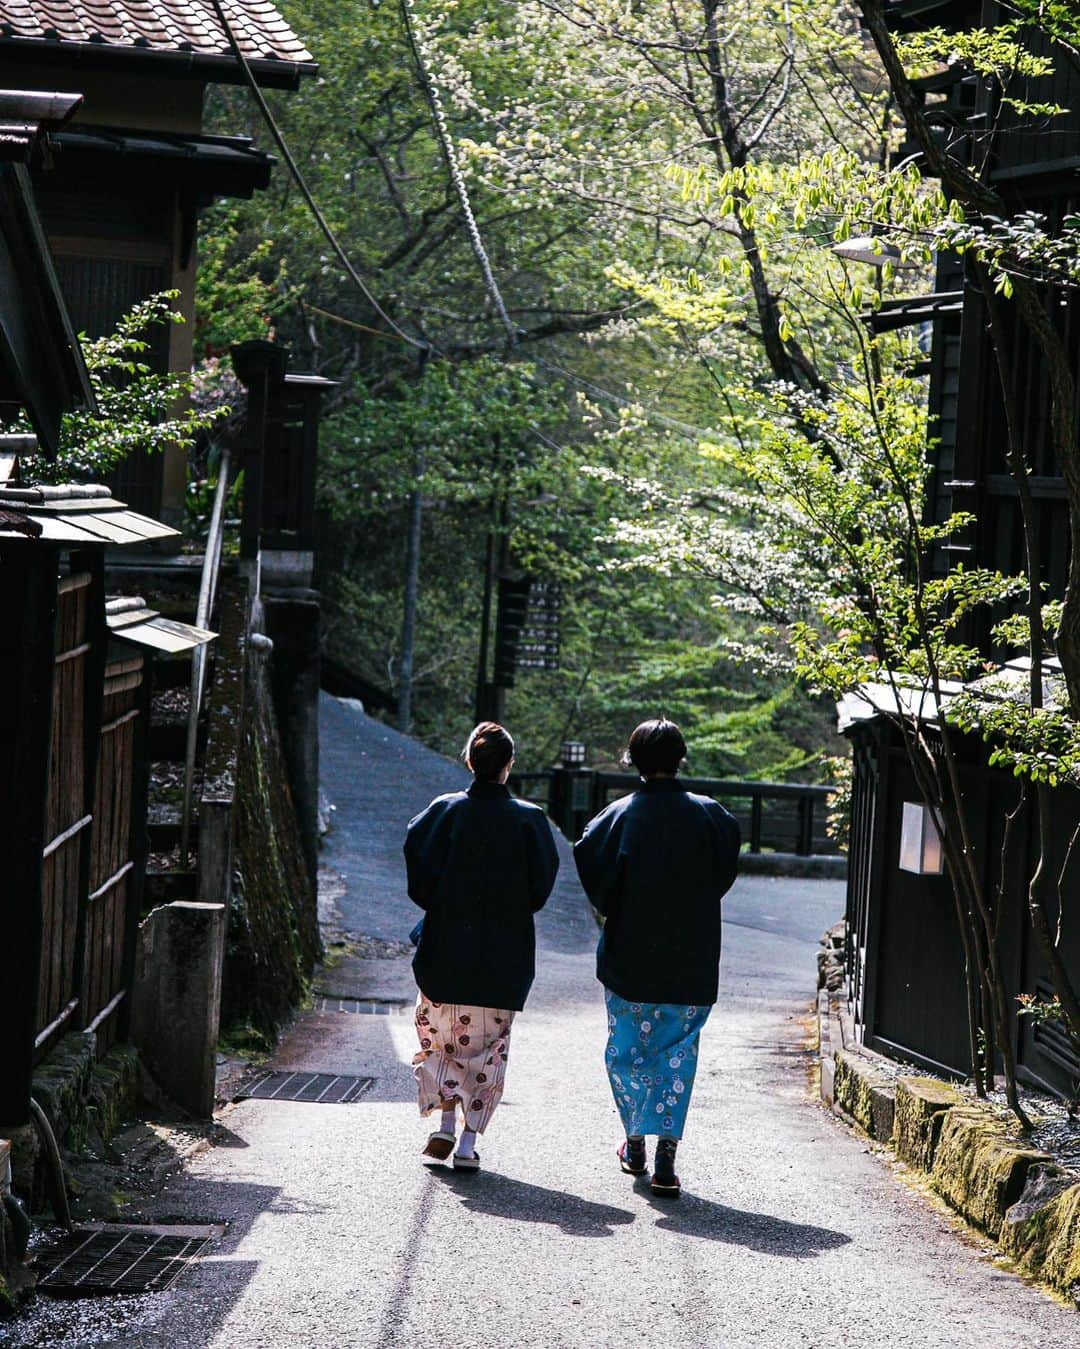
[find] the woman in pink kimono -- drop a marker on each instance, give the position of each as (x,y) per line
(480,864)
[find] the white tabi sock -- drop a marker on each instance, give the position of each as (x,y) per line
(449,1120)
(467,1144)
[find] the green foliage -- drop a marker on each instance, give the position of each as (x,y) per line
(566,163)
(1014,630)
(840,771)
(238,287)
(470,430)
(138,409)
(1000,53)
(988,51)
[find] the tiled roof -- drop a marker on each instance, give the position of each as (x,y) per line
(158,25)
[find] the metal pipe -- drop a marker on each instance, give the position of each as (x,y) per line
(205,607)
(57,1187)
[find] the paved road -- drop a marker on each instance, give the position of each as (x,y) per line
(791,1232)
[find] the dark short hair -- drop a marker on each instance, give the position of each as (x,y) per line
(488,750)
(656,746)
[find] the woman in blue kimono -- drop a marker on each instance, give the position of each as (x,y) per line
(656,865)
(480,864)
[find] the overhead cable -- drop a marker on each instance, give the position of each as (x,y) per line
(294,169)
(442,130)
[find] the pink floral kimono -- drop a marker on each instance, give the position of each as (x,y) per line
(462,1057)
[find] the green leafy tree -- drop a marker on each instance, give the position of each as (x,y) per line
(565,162)
(138,409)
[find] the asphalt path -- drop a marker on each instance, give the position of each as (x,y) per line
(791,1231)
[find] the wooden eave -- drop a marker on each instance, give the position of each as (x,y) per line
(76,513)
(154,62)
(912,16)
(214,166)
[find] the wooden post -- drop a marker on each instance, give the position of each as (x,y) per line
(480,703)
(755,822)
(259,365)
(806,824)
(28,589)
(254,453)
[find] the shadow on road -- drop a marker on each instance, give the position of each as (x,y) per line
(695,1217)
(500,1197)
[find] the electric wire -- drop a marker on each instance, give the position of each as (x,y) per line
(434,98)
(294,169)
(442,131)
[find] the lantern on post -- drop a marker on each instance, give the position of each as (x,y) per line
(572,754)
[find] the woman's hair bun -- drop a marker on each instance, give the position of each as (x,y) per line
(488,750)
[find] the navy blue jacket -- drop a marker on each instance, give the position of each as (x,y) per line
(480,863)
(656,864)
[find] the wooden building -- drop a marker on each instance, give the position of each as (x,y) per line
(905,967)
(73,719)
(72,690)
(133,168)
(905,963)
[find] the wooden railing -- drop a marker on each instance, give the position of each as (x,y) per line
(534,787)
(784,817)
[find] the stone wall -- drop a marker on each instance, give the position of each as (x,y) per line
(273,934)
(975,1158)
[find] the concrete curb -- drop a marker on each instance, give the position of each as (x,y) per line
(819,866)
(978,1163)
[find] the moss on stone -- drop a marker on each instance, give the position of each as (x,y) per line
(112,1091)
(980,1166)
(1041,1231)
(864,1093)
(61,1082)
(921,1103)
(273,935)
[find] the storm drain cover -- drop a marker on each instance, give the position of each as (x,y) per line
(324,1088)
(116,1259)
(364,1006)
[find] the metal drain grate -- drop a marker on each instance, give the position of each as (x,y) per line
(324,1088)
(363,1006)
(95,1260)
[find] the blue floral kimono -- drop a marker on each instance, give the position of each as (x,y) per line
(651,1061)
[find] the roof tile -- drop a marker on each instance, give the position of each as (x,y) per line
(163,25)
